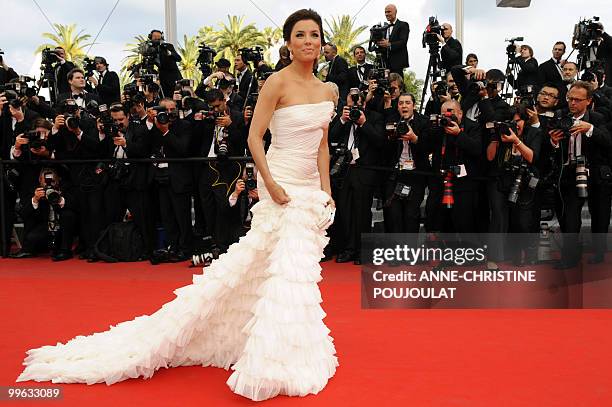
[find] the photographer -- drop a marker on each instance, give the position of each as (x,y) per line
(451,51)
(601,95)
(76,137)
(585,145)
(442,91)
(77,92)
(173,181)
(223,66)
(166,60)
(61,69)
(395,44)
(105,83)
(236,212)
(604,52)
(6,73)
(529,74)
(126,184)
(551,71)
(223,137)
(359,136)
(456,148)
(406,152)
(243,76)
(284,58)
(512,152)
(32,146)
(358,74)
(50,219)
(380,97)
(337,70)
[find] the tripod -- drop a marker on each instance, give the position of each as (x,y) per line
(511,69)
(433,70)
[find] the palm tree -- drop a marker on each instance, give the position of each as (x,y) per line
(67,38)
(272,36)
(233,36)
(206,35)
(189,52)
(133,56)
(413,85)
(343,34)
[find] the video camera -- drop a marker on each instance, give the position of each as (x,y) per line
(528,96)
(378,33)
(585,32)
(49,56)
(254,54)
(511,48)
(89,67)
(205,59)
(430,35)
(20,86)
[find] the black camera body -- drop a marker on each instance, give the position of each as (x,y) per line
(251,182)
(52,195)
(206,57)
(341,157)
(528,96)
(49,56)
(499,129)
(430,35)
(211,115)
(523,176)
(89,67)
(443,120)
(560,122)
(35,139)
(396,130)
(585,32)
(254,54)
(378,33)
(164,116)
(381,76)
(511,48)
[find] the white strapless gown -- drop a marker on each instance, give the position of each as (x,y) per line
(256,309)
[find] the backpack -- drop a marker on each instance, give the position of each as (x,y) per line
(120,241)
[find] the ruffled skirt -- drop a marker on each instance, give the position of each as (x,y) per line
(256,309)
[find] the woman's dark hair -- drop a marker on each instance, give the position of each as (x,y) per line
(301,15)
(521,111)
(470,56)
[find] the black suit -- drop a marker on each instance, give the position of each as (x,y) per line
(69,95)
(604,53)
(528,75)
(174,184)
(245,80)
(61,77)
(598,152)
(451,53)
(338,74)
(549,73)
(7,74)
(354,215)
(397,54)
(402,215)
(108,88)
(355,77)
(169,72)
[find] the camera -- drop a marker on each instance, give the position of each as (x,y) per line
(250,182)
(164,116)
(443,120)
(499,129)
(20,86)
(582,177)
(210,115)
(251,100)
(109,127)
(395,130)
(254,54)
(378,33)
(560,122)
(206,56)
(89,67)
(511,48)
(440,88)
(69,111)
(523,177)
(49,57)
(430,35)
(51,194)
(585,32)
(355,110)
(381,76)
(341,158)
(527,96)
(36,139)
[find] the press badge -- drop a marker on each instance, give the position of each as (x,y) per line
(407,165)
(462,171)
(355,152)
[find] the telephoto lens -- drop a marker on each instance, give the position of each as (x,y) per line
(582,177)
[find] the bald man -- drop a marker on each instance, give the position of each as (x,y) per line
(452,51)
(456,152)
(395,43)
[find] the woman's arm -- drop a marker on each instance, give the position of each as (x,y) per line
(266,104)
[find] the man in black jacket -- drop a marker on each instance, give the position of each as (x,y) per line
(451,51)
(77,92)
(50,218)
(456,154)
(363,138)
(395,44)
(589,145)
(337,71)
(551,71)
(62,68)
(167,63)
(106,83)
(222,136)
(174,181)
(405,153)
(6,73)
(127,183)
(243,76)
(529,74)
(604,53)
(359,73)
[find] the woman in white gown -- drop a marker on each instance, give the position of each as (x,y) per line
(257,308)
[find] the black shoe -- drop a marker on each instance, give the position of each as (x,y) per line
(596,258)
(62,255)
(179,256)
(345,256)
(357,261)
(93,258)
(21,254)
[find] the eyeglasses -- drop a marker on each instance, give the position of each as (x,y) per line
(575,100)
(548,95)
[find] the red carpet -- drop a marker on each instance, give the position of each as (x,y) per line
(387,357)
